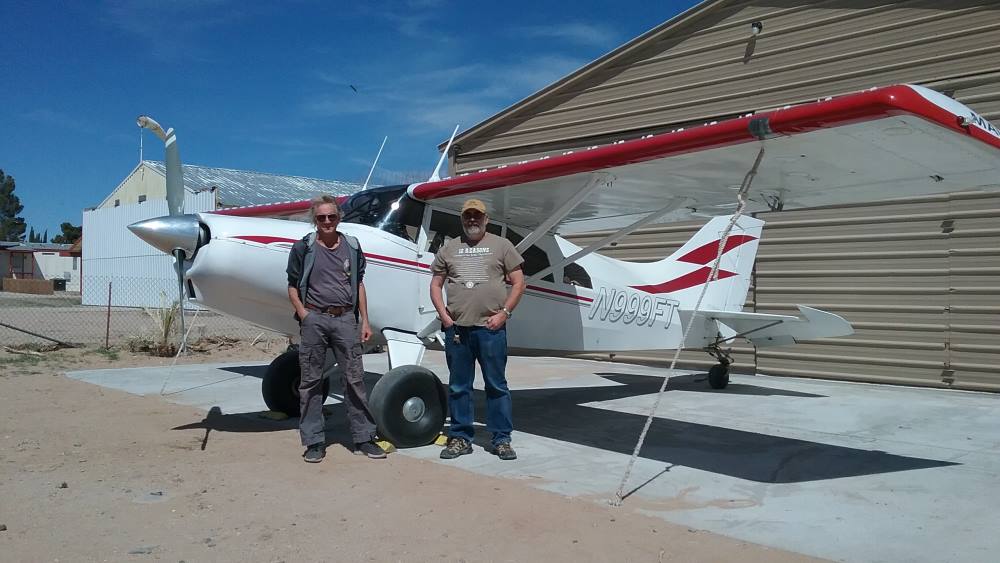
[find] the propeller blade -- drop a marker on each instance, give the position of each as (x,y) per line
(175,176)
(179,263)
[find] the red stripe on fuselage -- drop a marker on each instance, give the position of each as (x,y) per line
(261,239)
(560,293)
(411,263)
(396,260)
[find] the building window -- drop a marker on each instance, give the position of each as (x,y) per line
(74,263)
(117,202)
(142,198)
(17,262)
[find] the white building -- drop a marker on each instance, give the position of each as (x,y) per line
(138,274)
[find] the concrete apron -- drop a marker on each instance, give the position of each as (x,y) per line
(843,471)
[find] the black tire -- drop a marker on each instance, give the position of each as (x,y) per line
(280,386)
(390,395)
(718,376)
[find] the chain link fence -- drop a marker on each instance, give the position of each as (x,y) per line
(133,313)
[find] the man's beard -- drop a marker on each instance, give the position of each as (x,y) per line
(472,231)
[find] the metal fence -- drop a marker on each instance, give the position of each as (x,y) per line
(61,316)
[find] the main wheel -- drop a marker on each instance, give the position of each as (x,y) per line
(408,404)
(280,386)
(718,376)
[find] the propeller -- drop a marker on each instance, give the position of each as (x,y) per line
(176,234)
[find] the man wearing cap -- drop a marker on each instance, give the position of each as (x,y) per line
(473,270)
(326,272)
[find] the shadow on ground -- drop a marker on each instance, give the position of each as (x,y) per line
(558,413)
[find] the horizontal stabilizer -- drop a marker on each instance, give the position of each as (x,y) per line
(775,330)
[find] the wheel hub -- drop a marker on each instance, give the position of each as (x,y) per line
(413,409)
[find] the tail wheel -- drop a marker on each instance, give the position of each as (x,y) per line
(408,404)
(280,386)
(718,376)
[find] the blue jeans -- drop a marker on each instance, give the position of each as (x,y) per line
(489,348)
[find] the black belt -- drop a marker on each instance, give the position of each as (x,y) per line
(336,310)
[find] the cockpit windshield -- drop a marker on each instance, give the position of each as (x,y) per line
(387,208)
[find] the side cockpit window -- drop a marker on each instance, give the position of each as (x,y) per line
(574,274)
(535,259)
(387,208)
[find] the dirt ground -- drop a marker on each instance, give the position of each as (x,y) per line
(91,474)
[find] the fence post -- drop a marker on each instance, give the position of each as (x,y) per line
(107,328)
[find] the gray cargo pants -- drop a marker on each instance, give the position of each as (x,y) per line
(319,332)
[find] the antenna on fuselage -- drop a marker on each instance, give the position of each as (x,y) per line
(437,169)
(384,139)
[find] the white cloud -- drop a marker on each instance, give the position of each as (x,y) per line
(578,33)
(52,118)
(171,29)
(438,97)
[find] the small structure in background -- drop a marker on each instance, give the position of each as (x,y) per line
(39,268)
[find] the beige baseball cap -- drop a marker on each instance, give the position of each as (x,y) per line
(474,204)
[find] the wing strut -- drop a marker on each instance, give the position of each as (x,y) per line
(675,203)
(596,180)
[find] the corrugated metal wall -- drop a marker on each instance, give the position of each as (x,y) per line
(111,253)
(919,279)
(699,70)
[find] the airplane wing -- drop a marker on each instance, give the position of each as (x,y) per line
(296,210)
(884,143)
(776,330)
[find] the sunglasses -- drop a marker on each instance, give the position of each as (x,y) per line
(333,217)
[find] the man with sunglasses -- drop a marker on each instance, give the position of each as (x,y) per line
(326,287)
(474,270)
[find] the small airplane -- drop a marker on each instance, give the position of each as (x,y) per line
(897,141)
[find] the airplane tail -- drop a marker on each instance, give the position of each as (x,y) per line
(683,274)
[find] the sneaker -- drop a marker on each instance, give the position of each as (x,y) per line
(370,449)
(315,453)
(505,452)
(455,448)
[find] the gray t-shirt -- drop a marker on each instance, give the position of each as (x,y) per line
(330,278)
(474,276)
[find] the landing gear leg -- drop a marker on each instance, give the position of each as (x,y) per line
(718,376)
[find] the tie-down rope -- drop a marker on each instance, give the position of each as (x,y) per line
(180,350)
(741,199)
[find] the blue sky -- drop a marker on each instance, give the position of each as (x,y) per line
(268,87)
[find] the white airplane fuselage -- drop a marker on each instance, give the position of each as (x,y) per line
(241,271)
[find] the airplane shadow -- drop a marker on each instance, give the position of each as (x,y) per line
(251,371)
(698,383)
(558,413)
